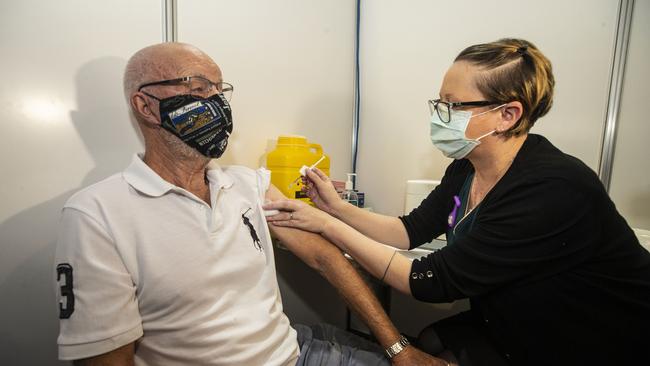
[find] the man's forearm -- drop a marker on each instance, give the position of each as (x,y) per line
(329,261)
(359,297)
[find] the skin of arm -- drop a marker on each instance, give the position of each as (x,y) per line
(122,356)
(385,229)
(379,260)
(329,261)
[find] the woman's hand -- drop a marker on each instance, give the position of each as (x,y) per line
(298,214)
(321,192)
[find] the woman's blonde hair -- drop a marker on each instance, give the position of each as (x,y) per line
(513,70)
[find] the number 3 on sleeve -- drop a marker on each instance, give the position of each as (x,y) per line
(66,290)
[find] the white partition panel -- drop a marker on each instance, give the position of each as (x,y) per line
(64,125)
(407,47)
(291,62)
(630,185)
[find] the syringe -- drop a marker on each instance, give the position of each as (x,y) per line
(303,170)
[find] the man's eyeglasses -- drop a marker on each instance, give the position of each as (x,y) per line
(196,85)
(444,108)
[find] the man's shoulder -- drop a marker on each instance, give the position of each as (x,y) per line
(241,170)
(95,194)
(246,174)
(250,181)
(238,170)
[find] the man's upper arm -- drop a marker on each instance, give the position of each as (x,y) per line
(122,356)
(98,309)
(311,248)
(274,194)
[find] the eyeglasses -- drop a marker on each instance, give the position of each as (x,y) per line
(444,108)
(196,85)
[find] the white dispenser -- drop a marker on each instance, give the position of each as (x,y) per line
(349,194)
(416,191)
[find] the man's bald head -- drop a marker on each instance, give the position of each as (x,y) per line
(161,62)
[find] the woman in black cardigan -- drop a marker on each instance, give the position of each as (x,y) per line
(554,274)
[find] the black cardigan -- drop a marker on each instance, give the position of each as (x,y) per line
(552,268)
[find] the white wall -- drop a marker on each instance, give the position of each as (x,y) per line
(630,185)
(64,126)
(405,51)
(291,62)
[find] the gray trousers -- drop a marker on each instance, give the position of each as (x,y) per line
(326,345)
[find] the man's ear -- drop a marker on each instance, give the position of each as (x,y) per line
(142,107)
(510,115)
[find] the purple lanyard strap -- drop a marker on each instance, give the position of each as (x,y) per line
(451,220)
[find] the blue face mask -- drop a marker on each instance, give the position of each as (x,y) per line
(450,137)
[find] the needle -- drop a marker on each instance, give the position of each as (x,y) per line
(303,170)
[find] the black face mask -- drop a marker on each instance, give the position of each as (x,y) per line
(202,123)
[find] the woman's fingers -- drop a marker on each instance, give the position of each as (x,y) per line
(315,179)
(321,183)
(286,223)
(282,205)
(282,216)
(316,176)
(286,207)
(320,174)
(307,185)
(324,186)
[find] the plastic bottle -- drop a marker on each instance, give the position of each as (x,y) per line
(349,194)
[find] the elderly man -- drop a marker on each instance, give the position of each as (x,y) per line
(170,262)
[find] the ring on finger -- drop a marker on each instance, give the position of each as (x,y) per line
(291,216)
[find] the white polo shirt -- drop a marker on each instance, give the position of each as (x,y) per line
(194,284)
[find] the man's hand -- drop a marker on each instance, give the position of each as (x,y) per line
(412,356)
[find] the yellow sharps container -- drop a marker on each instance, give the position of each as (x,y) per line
(290,154)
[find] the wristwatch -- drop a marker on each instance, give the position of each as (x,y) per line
(396,348)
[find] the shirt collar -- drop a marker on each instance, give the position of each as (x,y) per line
(217,176)
(144,179)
